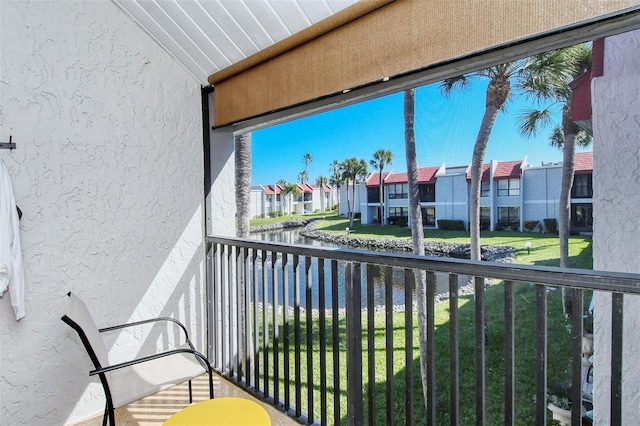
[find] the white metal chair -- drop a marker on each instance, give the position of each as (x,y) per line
(129,381)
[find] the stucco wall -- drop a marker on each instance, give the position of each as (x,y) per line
(108,172)
(616,181)
(541,192)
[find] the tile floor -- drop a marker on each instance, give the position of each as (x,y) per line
(155,409)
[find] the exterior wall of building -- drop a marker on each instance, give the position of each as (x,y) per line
(541,192)
(258,203)
(452,198)
(108,173)
(616,187)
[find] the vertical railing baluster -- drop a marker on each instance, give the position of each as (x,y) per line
(481,331)
(354,344)
(577,305)
(285,330)
(246,327)
(335,341)
(509,355)
(309,335)
(275,327)
(323,343)
(214,296)
(388,308)
(371,349)
(250,265)
(265,326)
(408,344)
(256,322)
(224,279)
(296,333)
(617,322)
(239,282)
(454,352)
(431,349)
(541,354)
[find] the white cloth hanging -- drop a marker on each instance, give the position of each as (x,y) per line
(11,269)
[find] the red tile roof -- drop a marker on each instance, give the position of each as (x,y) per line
(305,188)
(425,175)
(508,170)
(486,173)
(374,179)
(268,189)
(583,162)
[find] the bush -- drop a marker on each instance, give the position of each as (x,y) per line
(551,225)
(275,214)
(530,225)
(451,225)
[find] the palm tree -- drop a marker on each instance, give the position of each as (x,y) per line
(498,93)
(336,179)
(321,181)
(291,190)
(243,183)
(551,84)
(381,158)
(243,200)
(303,176)
(417,233)
(353,170)
(281,183)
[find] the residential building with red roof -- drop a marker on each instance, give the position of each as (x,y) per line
(512,193)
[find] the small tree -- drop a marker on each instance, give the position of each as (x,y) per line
(381,158)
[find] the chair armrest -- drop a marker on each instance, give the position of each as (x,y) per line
(113,367)
(137,323)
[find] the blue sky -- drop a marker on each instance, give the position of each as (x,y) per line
(446,130)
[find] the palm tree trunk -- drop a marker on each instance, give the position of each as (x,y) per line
(417,234)
(564,214)
(477,161)
(243,199)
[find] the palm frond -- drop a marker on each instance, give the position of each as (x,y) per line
(454,84)
(530,121)
(583,138)
(556,138)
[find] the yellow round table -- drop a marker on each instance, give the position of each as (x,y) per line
(223,412)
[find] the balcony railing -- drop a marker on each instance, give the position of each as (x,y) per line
(295,324)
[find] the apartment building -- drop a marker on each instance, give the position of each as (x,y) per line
(512,193)
(266,199)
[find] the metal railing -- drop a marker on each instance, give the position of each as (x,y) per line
(297,324)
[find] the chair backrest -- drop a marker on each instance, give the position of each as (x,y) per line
(79,318)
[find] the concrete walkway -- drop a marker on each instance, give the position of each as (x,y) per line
(155,409)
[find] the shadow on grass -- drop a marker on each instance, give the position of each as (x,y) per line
(558,362)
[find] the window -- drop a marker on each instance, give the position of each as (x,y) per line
(373,194)
(485,218)
(398,191)
(485,189)
(582,186)
(582,216)
(398,211)
(428,216)
(509,216)
(508,187)
(427,192)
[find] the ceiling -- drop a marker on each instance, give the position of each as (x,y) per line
(206,36)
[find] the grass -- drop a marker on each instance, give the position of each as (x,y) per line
(271,220)
(544,250)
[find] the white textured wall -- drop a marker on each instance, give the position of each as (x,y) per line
(108,172)
(616,152)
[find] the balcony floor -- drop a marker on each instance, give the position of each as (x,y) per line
(155,409)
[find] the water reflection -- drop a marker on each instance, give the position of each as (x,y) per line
(264,273)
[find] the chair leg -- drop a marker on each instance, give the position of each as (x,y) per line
(109,414)
(210,385)
(190,393)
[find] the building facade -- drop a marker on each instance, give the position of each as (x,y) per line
(514,195)
(269,200)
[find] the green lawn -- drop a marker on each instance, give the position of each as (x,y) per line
(544,251)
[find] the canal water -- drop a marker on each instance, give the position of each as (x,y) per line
(292,236)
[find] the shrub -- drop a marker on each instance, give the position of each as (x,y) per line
(551,225)
(451,225)
(530,225)
(275,214)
